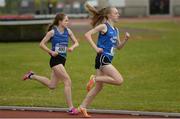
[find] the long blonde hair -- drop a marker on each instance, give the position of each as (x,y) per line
(97,16)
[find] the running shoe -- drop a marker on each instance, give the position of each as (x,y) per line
(91,83)
(73,111)
(28,75)
(84,112)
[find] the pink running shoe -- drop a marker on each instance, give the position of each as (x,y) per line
(28,75)
(73,111)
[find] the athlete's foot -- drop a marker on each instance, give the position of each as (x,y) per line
(73,111)
(28,75)
(84,112)
(91,83)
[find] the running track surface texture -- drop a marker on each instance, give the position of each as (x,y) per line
(41,112)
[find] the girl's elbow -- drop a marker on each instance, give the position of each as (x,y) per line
(40,45)
(86,35)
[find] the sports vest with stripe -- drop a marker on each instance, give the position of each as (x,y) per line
(60,41)
(108,41)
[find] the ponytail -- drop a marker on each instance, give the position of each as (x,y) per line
(50,27)
(98,17)
(91,9)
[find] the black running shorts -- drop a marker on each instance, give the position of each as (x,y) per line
(57,60)
(101,60)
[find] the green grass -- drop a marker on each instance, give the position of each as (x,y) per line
(149,64)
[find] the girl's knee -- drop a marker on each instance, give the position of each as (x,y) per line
(119,81)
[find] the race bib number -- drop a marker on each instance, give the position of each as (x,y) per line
(60,49)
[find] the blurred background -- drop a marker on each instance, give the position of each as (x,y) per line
(128,7)
(35,15)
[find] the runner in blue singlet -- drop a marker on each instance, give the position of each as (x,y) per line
(59,34)
(108,40)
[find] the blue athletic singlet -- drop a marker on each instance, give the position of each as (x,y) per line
(108,41)
(60,41)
